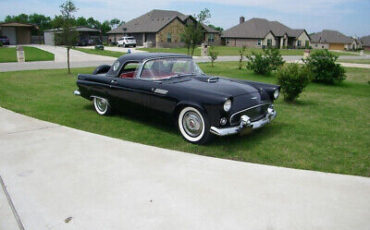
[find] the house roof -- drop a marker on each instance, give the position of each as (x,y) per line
(153,22)
(17,24)
(259,27)
(365,40)
(78,29)
(330,36)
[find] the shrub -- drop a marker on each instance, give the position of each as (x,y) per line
(212,54)
(264,63)
(323,68)
(292,79)
(99,47)
(259,63)
(275,58)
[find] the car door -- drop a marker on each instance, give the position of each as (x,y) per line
(126,88)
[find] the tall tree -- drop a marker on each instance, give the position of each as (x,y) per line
(194,32)
(81,21)
(114,22)
(68,35)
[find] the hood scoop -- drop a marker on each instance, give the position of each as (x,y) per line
(212,79)
(208,79)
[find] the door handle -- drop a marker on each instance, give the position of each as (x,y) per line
(113,81)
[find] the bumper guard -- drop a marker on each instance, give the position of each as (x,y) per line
(245,123)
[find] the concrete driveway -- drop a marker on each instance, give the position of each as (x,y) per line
(62,178)
(60,54)
(117,49)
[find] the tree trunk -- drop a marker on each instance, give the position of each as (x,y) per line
(68,64)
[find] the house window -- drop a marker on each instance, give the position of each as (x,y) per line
(299,43)
(211,38)
(269,42)
(169,37)
(259,42)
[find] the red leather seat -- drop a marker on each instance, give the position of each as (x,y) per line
(128,74)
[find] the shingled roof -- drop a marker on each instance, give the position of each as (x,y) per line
(153,22)
(365,40)
(259,28)
(330,36)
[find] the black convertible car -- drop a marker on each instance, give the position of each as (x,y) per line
(202,105)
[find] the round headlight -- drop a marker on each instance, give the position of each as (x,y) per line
(227,105)
(276,93)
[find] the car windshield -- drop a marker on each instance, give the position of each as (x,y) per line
(167,68)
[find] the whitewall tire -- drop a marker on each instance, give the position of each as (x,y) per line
(193,125)
(102,106)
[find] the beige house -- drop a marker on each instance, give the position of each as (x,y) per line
(332,40)
(259,33)
(161,28)
(17,33)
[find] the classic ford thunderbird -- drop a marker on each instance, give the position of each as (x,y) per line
(174,84)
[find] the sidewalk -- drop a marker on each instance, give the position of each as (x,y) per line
(62,178)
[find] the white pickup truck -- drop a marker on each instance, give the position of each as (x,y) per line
(126,42)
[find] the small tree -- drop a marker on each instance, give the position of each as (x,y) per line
(241,55)
(265,62)
(212,54)
(323,67)
(68,35)
(194,32)
(292,79)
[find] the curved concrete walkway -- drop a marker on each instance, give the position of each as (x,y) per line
(63,178)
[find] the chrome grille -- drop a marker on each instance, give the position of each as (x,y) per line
(255,113)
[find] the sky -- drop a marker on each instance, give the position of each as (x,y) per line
(351,17)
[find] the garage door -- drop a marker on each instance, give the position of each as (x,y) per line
(10,33)
(49,38)
(336,46)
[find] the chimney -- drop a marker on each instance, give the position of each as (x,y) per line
(241,19)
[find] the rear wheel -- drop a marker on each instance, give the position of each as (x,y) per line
(102,106)
(193,125)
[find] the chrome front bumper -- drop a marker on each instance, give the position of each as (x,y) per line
(245,123)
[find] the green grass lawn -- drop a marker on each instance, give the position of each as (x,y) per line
(35,54)
(326,130)
(233,51)
(101,52)
(357,61)
(8,54)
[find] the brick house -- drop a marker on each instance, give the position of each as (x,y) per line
(161,28)
(259,32)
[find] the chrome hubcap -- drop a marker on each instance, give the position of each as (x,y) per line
(192,124)
(101,104)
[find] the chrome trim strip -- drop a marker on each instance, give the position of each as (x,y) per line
(236,129)
(241,111)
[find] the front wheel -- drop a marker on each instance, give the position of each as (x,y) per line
(193,125)
(102,106)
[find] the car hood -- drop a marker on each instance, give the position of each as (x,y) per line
(215,85)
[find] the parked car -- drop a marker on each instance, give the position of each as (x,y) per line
(4,40)
(174,84)
(127,42)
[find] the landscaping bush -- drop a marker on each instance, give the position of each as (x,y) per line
(259,63)
(264,63)
(292,79)
(323,68)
